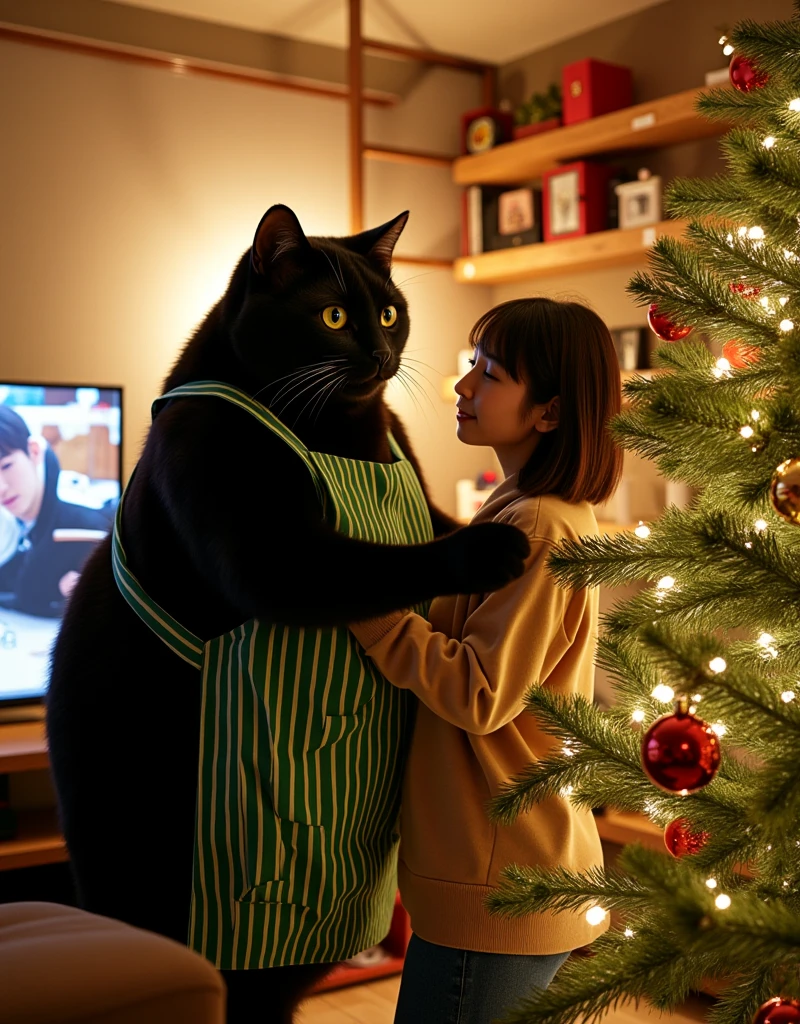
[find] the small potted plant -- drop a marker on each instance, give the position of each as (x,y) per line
(541,113)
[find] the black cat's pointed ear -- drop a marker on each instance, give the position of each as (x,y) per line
(378,244)
(280,248)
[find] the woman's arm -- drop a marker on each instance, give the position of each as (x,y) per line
(513,639)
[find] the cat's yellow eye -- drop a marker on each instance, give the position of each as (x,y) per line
(334,317)
(388,316)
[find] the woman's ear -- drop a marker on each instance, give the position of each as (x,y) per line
(548,419)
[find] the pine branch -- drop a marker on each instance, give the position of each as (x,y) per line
(529,890)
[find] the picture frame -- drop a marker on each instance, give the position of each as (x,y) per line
(501,218)
(639,202)
(576,199)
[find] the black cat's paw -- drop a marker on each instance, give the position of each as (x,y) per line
(486,556)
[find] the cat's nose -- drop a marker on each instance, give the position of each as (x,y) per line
(383,356)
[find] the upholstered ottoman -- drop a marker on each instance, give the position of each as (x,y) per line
(59,964)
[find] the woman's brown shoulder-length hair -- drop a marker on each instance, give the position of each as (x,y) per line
(564,349)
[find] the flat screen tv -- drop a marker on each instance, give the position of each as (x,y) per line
(60,476)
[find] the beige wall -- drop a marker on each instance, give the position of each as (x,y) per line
(130,192)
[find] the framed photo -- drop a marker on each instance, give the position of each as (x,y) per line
(501,218)
(639,202)
(564,200)
(576,199)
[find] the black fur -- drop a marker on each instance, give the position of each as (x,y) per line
(222,525)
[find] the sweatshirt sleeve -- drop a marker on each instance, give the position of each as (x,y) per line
(512,639)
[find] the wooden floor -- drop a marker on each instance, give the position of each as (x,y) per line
(374,1002)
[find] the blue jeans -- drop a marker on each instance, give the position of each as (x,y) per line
(441,985)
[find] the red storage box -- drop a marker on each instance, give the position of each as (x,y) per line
(593,87)
(575,199)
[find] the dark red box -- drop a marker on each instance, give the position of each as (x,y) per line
(575,199)
(593,87)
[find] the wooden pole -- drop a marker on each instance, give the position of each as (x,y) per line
(356,121)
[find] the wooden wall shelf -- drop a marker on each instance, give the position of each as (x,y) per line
(662,122)
(547,259)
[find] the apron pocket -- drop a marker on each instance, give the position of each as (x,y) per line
(301,875)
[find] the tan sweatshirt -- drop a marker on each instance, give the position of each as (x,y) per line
(470,664)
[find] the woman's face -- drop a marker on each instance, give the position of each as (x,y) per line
(492,406)
(21,486)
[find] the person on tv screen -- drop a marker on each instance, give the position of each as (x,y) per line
(38,573)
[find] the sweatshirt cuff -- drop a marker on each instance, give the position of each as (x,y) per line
(372,630)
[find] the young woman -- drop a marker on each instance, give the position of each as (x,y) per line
(543,386)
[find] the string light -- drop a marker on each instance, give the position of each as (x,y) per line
(722,902)
(794,104)
(663,693)
(727,49)
(754,448)
(756,233)
(717,665)
(719,728)
(748,544)
(786,325)
(760,525)
(769,142)
(722,368)
(711,883)
(755,414)
(787,696)
(746,431)
(642,531)
(742,231)
(666,583)
(629,933)
(596,915)
(783,300)
(638,715)
(697,697)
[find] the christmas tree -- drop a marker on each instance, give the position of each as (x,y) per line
(704,733)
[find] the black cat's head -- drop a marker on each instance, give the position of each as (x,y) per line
(317,321)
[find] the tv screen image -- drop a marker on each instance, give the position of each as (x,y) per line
(60,477)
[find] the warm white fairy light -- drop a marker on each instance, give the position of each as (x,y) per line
(663,693)
(788,696)
(629,933)
(717,665)
(666,583)
(722,40)
(742,231)
(760,525)
(764,301)
(754,448)
(638,715)
(748,544)
(794,104)
(719,728)
(786,325)
(729,238)
(567,791)
(711,883)
(722,368)
(755,414)
(642,531)
(783,300)
(765,639)
(769,142)
(722,902)
(697,697)
(746,431)
(596,915)
(755,233)
(567,750)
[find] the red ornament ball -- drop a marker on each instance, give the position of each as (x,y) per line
(680,752)
(747,291)
(745,75)
(681,841)
(778,1011)
(664,327)
(738,354)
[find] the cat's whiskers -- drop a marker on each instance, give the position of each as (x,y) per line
(314,383)
(333,386)
(338,276)
(419,373)
(342,375)
(402,373)
(299,370)
(408,359)
(301,378)
(411,395)
(425,273)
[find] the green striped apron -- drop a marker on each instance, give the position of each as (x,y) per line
(301,747)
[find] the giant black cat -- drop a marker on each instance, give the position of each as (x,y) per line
(222,525)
